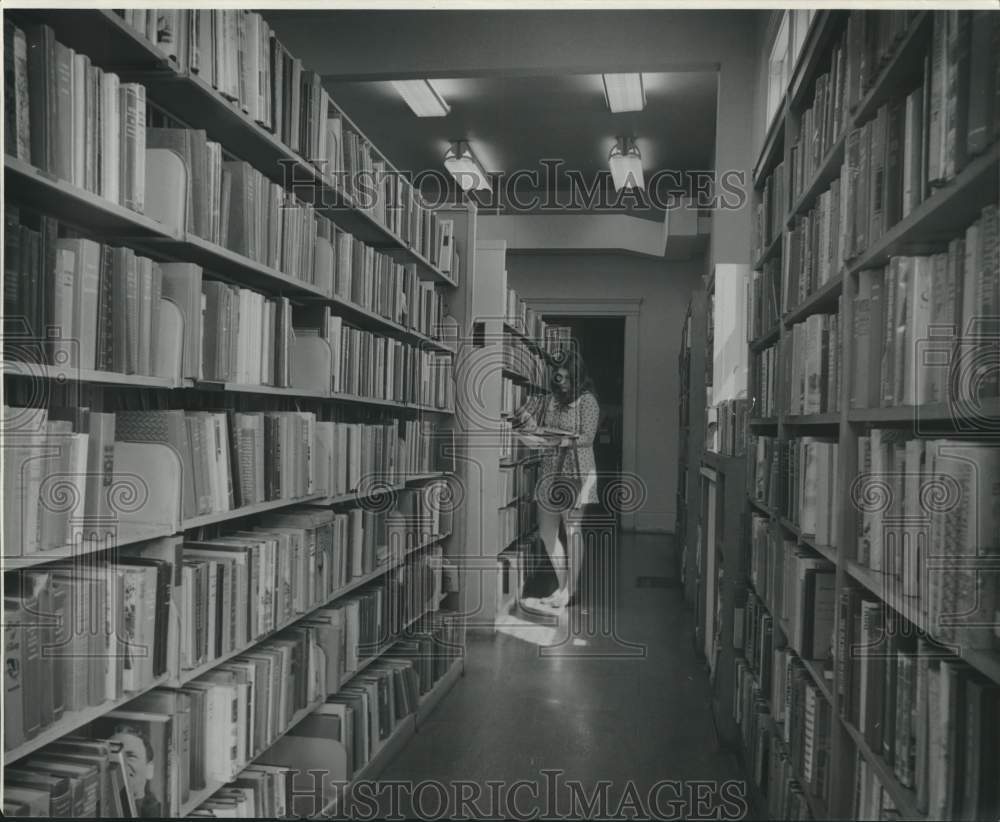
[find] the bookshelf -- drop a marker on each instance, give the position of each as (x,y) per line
(936,220)
(691,437)
(405,285)
(501,367)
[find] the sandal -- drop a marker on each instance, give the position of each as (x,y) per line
(557,600)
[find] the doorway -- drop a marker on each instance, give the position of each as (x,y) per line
(601,342)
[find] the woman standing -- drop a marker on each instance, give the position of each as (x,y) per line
(568,476)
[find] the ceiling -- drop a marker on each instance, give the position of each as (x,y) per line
(514,122)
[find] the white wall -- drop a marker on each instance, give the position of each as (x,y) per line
(664,288)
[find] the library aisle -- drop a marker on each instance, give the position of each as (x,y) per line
(521,709)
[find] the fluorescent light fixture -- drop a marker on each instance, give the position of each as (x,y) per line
(465,168)
(422,98)
(624,92)
(625,162)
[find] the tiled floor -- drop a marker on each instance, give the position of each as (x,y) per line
(619,698)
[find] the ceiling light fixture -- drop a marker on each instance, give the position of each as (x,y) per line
(625,162)
(463,165)
(624,92)
(422,98)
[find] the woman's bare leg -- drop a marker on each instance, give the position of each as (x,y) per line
(573,521)
(548,530)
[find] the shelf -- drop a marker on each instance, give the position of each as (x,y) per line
(903,798)
(429,701)
(31,186)
(111,43)
(76,206)
(938,412)
(269,390)
(885,590)
(189,98)
(815,669)
(134,535)
(771,251)
(33,370)
(187,676)
(764,421)
(512,462)
(823,298)
(761,507)
(516,376)
(822,34)
(720,462)
(203,794)
(828,171)
(826,418)
(906,66)
(770,152)
(766,340)
(944,215)
(245,511)
(372,320)
(72,721)
(377,490)
(232,266)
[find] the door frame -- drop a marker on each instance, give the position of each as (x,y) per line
(630,310)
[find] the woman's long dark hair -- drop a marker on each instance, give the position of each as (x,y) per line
(579,377)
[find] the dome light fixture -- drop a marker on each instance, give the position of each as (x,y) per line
(465,167)
(625,163)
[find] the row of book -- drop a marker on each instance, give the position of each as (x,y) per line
(85,127)
(373,280)
(814,250)
(811,357)
(71,119)
(763,306)
(78,303)
(355,723)
(237,53)
(864,46)
(367,364)
(377,366)
(770,211)
(894,161)
(797,479)
(822,121)
(78,635)
(179,740)
(512,395)
(524,361)
(794,586)
(922,324)
(242,586)
(516,481)
(764,369)
(250,339)
(64,460)
(525,319)
(789,751)
(926,713)
(247,338)
(927,523)
(731,427)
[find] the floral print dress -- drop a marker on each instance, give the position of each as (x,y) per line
(580,416)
